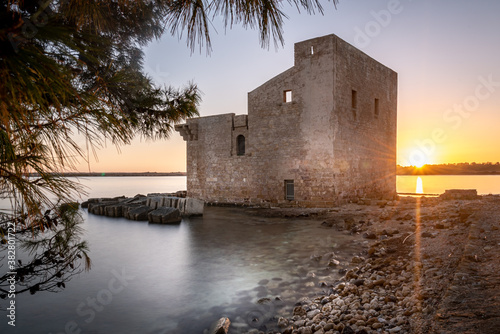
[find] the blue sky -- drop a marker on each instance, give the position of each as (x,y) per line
(445,52)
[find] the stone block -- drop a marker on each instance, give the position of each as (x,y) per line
(165,215)
(139,213)
(454,194)
(174,202)
(114,210)
(127,207)
(155,202)
(99,208)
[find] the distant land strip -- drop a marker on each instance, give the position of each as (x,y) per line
(80,174)
(452,169)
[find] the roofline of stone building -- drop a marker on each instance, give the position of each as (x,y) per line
(349,44)
(276,77)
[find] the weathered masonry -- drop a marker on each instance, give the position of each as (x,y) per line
(319,134)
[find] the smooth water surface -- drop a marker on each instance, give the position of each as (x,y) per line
(437,184)
(181,278)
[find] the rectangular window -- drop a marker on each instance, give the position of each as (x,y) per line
(376,111)
(289,190)
(354,102)
(287,96)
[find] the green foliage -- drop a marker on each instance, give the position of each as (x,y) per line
(71,72)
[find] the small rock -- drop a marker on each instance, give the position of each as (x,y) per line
(394,282)
(221,326)
(358,282)
(327,224)
(263,282)
(333,263)
(315,257)
(371,236)
(299,323)
(282,322)
(357,259)
(348,330)
(395,329)
(312,313)
(264,301)
(390,299)
(299,310)
(307,330)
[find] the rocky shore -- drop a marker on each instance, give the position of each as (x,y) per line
(430,266)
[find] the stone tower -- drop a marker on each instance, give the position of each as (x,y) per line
(317,135)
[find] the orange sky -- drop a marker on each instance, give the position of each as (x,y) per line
(445,52)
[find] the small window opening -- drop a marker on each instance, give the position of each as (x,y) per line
(354,102)
(289,190)
(312,50)
(287,96)
(376,111)
(240,145)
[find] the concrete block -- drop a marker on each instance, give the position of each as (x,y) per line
(139,213)
(164,215)
(194,207)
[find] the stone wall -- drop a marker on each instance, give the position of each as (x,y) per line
(365,143)
(302,126)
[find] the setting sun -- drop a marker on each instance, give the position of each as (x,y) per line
(418,159)
(418,164)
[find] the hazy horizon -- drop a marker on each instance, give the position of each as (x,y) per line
(493,163)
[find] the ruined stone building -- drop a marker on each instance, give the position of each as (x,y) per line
(317,135)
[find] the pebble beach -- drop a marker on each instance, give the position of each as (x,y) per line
(428,265)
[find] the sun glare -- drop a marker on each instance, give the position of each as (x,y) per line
(420,187)
(418,159)
(418,164)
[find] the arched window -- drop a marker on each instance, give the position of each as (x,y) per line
(240,145)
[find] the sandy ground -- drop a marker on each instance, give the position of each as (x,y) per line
(430,266)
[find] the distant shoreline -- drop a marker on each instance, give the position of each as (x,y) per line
(402,171)
(97,174)
(445,174)
(452,169)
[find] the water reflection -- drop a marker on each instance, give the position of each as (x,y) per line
(420,188)
(437,184)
